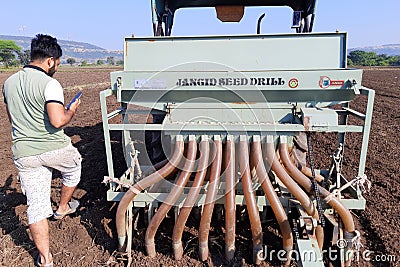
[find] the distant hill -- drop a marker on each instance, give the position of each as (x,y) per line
(91,53)
(389,49)
(77,50)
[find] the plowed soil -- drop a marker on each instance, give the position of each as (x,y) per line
(88,238)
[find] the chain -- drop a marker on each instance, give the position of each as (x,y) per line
(314,181)
(295,231)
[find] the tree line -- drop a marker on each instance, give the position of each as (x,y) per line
(108,61)
(11,55)
(363,58)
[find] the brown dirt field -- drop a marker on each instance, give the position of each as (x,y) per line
(89,237)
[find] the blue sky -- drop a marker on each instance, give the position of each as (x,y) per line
(106,23)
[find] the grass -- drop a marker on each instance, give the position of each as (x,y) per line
(89,67)
(86,86)
(9,69)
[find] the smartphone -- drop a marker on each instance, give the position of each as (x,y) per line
(78,95)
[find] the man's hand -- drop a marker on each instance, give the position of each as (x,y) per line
(74,106)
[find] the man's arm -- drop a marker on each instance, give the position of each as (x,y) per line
(5,102)
(8,114)
(58,115)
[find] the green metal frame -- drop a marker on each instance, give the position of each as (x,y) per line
(165,93)
(277,129)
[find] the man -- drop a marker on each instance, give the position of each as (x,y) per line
(35,106)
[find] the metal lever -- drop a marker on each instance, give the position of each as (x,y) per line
(259,23)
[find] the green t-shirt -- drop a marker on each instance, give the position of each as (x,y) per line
(26,94)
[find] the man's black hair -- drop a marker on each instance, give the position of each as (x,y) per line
(44,46)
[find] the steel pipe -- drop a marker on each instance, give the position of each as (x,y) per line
(212,189)
(252,209)
(230,196)
(191,197)
(176,191)
(135,189)
(154,187)
(292,186)
(301,165)
(294,173)
(272,197)
(154,168)
(307,172)
(306,183)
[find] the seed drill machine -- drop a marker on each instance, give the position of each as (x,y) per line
(235,119)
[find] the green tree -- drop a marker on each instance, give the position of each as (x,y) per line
(362,58)
(394,61)
(24,57)
(382,60)
(120,62)
(8,50)
(110,61)
(84,63)
(100,62)
(71,61)
(350,62)
(14,63)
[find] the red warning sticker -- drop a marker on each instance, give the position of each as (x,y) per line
(325,82)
